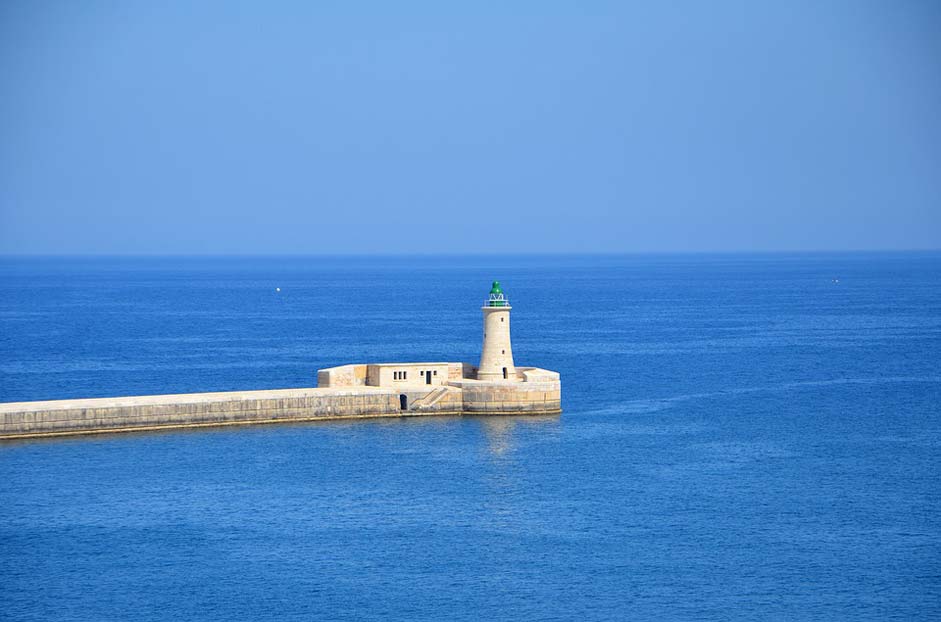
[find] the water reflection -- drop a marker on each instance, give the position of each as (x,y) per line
(502,433)
(499,433)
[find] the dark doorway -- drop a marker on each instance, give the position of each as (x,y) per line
(427,377)
(504,374)
(403,402)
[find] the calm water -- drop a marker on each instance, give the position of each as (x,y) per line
(743,438)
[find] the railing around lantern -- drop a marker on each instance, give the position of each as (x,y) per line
(497,300)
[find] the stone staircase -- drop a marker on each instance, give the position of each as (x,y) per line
(431,399)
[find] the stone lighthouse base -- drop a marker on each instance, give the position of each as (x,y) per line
(452,388)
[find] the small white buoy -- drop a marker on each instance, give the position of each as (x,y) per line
(277,289)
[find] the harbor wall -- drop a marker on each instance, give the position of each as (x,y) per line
(497,398)
(539,393)
(192,410)
(438,400)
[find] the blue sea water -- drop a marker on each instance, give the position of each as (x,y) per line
(743,437)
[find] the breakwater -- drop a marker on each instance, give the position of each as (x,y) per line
(152,412)
(495,387)
(156,412)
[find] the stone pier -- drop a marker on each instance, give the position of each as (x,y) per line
(495,387)
(448,393)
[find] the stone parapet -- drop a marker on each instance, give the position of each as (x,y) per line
(343,376)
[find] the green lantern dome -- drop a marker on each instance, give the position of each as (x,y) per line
(497,298)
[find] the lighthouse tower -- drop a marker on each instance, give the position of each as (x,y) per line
(496,358)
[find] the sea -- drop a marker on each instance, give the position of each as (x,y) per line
(744,437)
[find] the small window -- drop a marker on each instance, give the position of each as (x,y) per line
(501,319)
(502,351)
(436,373)
(404,375)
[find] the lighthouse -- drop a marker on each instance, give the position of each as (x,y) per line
(496,358)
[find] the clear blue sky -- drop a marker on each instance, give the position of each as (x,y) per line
(320,127)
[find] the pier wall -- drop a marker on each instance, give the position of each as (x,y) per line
(496,398)
(192,410)
(534,392)
(437,400)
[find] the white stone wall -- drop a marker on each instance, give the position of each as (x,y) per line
(342,376)
(407,375)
